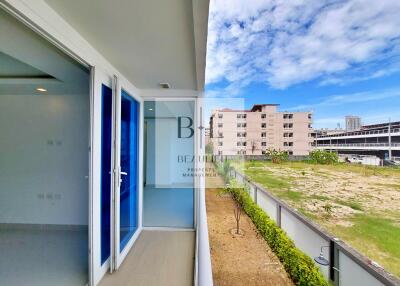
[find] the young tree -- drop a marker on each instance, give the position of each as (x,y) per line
(237,211)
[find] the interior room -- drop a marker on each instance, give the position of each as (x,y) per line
(44,127)
(168,194)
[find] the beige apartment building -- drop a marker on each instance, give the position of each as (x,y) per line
(263,127)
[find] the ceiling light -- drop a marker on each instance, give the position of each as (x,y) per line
(165,85)
(41,89)
(151,109)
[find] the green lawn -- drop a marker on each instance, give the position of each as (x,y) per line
(369,227)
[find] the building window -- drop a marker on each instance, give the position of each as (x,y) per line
(263,143)
(286,144)
(263,152)
(220,135)
(220,115)
(287,116)
(309,125)
(220,125)
(263,134)
(220,143)
(309,116)
(241,134)
(241,115)
(219,152)
(240,125)
(288,125)
(241,143)
(263,116)
(263,125)
(288,134)
(290,153)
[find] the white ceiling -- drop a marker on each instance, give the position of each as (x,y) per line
(27,62)
(149,41)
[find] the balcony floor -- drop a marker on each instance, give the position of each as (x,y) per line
(157,258)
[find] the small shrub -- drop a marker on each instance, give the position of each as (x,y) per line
(298,265)
(323,157)
(277,156)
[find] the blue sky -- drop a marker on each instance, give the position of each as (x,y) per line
(335,58)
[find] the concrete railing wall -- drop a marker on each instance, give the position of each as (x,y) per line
(347,266)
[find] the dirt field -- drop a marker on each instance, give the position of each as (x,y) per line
(360,205)
(238,260)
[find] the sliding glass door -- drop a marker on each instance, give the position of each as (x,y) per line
(168,195)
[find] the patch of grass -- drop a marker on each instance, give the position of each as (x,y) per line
(352,204)
(376,237)
(318,197)
(290,195)
(268,180)
(390,186)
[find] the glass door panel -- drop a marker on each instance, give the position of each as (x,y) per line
(128,193)
(169,152)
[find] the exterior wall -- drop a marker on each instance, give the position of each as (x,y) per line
(264,129)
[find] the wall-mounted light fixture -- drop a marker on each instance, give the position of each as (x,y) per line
(321,259)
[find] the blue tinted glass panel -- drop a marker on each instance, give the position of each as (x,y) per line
(106,121)
(129,168)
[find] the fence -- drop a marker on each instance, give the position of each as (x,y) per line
(347,267)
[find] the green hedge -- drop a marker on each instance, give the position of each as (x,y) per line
(298,265)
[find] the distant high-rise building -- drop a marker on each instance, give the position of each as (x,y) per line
(353,123)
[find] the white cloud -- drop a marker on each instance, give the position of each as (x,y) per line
(288,42)
(350,98)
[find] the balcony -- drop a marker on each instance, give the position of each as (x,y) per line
(156,257)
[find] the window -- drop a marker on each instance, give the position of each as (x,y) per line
(287,116)
(241,143)
(241,116)
(288,125)
(241,152)
(219,152)
(220,135)
(220,125)
(263,116)
(290,153)
(309,125)
(309,116)
(288,144)
(241,134)
(241,125)
(220,115)
(263,152)
(288,134)
(263,134)
(263,125)
(263,143)
(220,143)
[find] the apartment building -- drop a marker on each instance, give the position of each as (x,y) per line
(263,127)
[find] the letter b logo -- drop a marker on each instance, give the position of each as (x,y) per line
(188,126)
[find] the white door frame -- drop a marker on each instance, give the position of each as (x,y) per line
(96,269)
(117,255)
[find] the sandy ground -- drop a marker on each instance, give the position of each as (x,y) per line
(238,260)
(373,193)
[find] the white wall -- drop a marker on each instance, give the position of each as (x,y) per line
(44,159)
(305,238)
(352,274)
